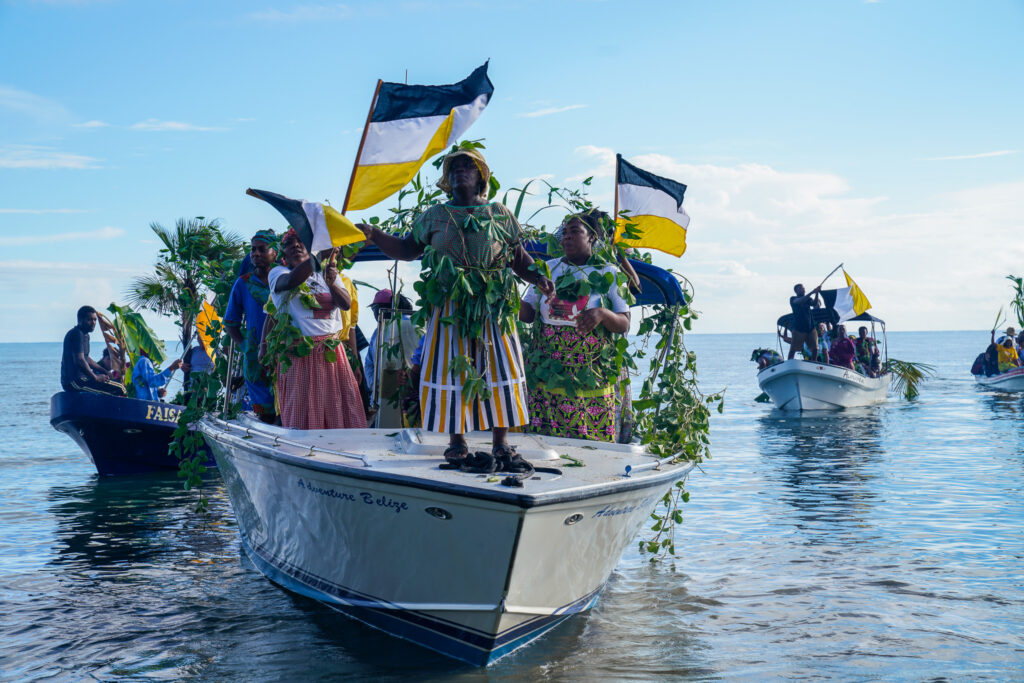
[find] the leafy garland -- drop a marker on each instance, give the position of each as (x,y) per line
(672,414)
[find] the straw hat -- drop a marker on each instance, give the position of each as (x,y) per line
(478,159)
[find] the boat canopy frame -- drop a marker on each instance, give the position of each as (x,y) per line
(830,317)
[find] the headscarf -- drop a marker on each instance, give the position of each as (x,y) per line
(288,234)
(268,237)
(478,159)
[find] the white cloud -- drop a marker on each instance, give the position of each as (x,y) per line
(105,233)
(304,13)
(551,110)
(42,211)
(158,125)
(756,230)
(32,105)
(31,156)
(92,124)
(982,155)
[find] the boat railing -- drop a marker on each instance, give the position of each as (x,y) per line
(279,440)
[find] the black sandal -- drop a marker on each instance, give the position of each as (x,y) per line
(454,457)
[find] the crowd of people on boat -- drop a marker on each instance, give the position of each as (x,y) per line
(330,387)
(823,342)
(1002,355)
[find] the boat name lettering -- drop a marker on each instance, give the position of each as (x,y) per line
(384,501)
(612,511)
(367,497)
(163,413)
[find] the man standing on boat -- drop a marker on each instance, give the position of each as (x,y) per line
(78,372)
(804,330)
(248,297)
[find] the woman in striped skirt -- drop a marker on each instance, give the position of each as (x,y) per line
(473,235)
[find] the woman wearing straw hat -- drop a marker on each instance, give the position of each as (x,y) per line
(469,237)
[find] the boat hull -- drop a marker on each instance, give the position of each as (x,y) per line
(1007,381)
(803,385)
(120,435)
(470,576)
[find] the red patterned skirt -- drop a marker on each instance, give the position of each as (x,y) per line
(317,394)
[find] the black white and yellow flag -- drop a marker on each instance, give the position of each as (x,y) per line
(407,126)
(655,209)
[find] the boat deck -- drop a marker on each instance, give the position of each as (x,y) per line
(568,469)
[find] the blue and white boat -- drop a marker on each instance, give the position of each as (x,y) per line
(120,435)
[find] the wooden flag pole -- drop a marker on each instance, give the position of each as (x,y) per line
(362,141)
(616,187)
(831,274)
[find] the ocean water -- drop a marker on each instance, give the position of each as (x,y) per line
(884,543)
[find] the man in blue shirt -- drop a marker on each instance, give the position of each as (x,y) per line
(147,380)
(248,297)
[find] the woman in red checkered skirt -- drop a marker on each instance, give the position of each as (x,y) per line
(318,391)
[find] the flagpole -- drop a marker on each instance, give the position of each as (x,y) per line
(831,274)
(362,141)
(616,214)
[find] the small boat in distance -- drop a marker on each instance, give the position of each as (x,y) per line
(1012,380)
(798,384)
(120,435)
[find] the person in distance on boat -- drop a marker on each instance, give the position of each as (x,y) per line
(78,372)
(248,297)
(842,352)
(315,393)
(475,235)
(1006,354)
(804,331)
(576,332)
(149,384)
(824,342)
(867,351)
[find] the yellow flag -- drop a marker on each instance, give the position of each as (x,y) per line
(860,302)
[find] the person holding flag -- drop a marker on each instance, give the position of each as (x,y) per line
(318,390)
(469,233)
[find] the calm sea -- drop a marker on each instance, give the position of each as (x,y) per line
(882,543)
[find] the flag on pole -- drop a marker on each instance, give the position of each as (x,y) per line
(848,302)
(204,321)
(655,207)
(407,125)
(319,226)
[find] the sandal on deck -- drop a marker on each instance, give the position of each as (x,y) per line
(454,457)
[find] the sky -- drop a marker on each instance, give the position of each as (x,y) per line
(886,135)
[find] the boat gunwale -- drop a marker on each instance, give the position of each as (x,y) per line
(822,369)
(520,500)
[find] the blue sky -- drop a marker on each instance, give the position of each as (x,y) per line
(886,135)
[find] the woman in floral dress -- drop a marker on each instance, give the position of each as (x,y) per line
(574,395)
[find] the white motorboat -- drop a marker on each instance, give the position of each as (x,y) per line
(365,522)
(1013,380)
(806,385)
(797,384)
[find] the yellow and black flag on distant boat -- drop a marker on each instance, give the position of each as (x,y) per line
(655,206)
(848,302)
(319,226)
(407,125)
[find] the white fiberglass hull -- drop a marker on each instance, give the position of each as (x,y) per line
(803,385)
(1006,381)
(452,561)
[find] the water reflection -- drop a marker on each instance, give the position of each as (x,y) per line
(824,462)
(115,522)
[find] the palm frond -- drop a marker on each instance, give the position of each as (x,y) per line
(906,376)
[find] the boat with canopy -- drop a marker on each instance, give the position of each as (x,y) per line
(798,384)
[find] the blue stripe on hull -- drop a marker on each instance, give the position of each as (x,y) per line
(441,635)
